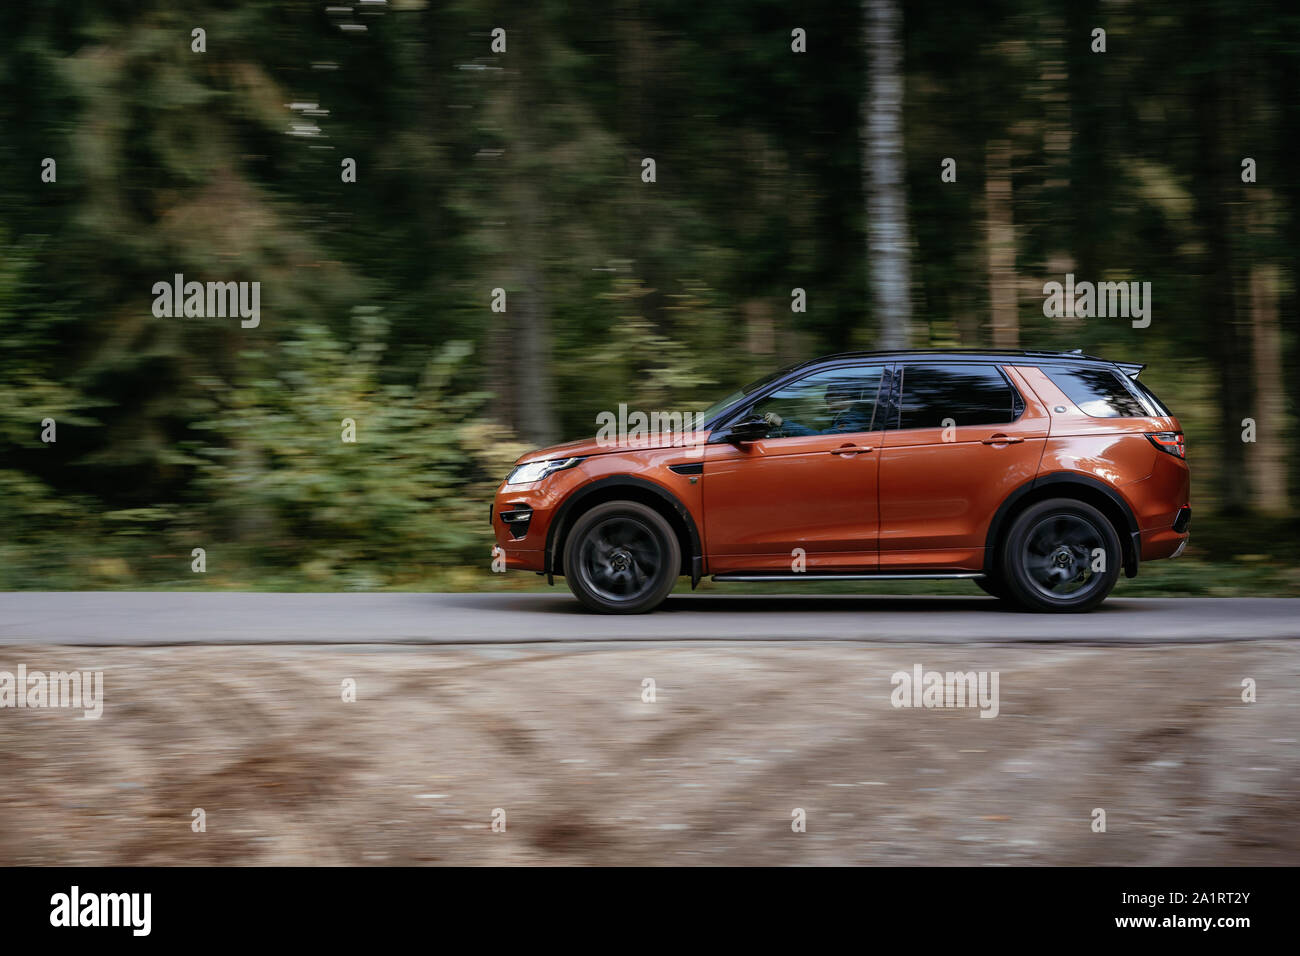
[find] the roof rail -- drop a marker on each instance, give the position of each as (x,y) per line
(1055,353)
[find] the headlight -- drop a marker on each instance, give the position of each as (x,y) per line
(537,470)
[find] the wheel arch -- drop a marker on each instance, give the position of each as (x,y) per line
(625,488)
(1084,488)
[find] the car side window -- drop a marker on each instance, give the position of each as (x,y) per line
(831,402)
(1099,392)
(934,396)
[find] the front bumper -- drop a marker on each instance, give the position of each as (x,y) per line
(521,517)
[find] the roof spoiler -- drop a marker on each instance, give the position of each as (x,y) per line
(1131,369)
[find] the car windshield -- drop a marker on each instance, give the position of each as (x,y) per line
(723,404)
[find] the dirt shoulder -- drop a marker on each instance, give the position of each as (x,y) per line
(738,737)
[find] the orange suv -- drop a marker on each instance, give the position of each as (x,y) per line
(1036,475)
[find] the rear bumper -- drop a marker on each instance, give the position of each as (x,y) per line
(1160,504)
(1163,543)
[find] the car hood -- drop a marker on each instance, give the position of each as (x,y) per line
(586,447)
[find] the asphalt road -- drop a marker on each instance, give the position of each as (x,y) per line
(164,618)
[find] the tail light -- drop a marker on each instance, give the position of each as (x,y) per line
(1169,442)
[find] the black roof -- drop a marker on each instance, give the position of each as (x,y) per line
(976,355)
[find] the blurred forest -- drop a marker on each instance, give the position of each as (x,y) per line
(522,170)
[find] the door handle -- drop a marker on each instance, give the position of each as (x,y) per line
(848,450)
(1000,439)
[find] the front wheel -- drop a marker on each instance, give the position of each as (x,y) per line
(622,557)
(1060,555)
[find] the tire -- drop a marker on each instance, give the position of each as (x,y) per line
(622,557)
(1049,559)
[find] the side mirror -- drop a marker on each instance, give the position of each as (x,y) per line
(748,429)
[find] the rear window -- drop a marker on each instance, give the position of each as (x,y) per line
(1158,408)
(1099,392)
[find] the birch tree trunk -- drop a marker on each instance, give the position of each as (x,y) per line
(888,246)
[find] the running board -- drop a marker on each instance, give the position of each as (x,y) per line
(936,576)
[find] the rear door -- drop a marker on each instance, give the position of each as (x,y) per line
(960,437)
(804,497)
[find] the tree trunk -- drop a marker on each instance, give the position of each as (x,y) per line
(1285,124)
(888,249)
(534,409)
(1269,451)
(1213,184)
(760,328)
(1001,245)
(1091,119)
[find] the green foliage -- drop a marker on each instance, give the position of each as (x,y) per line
(522,171)
(404,499)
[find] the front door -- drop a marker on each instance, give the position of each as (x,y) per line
(804,497)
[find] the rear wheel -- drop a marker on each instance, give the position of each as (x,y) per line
(1060,555)
(622,557)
